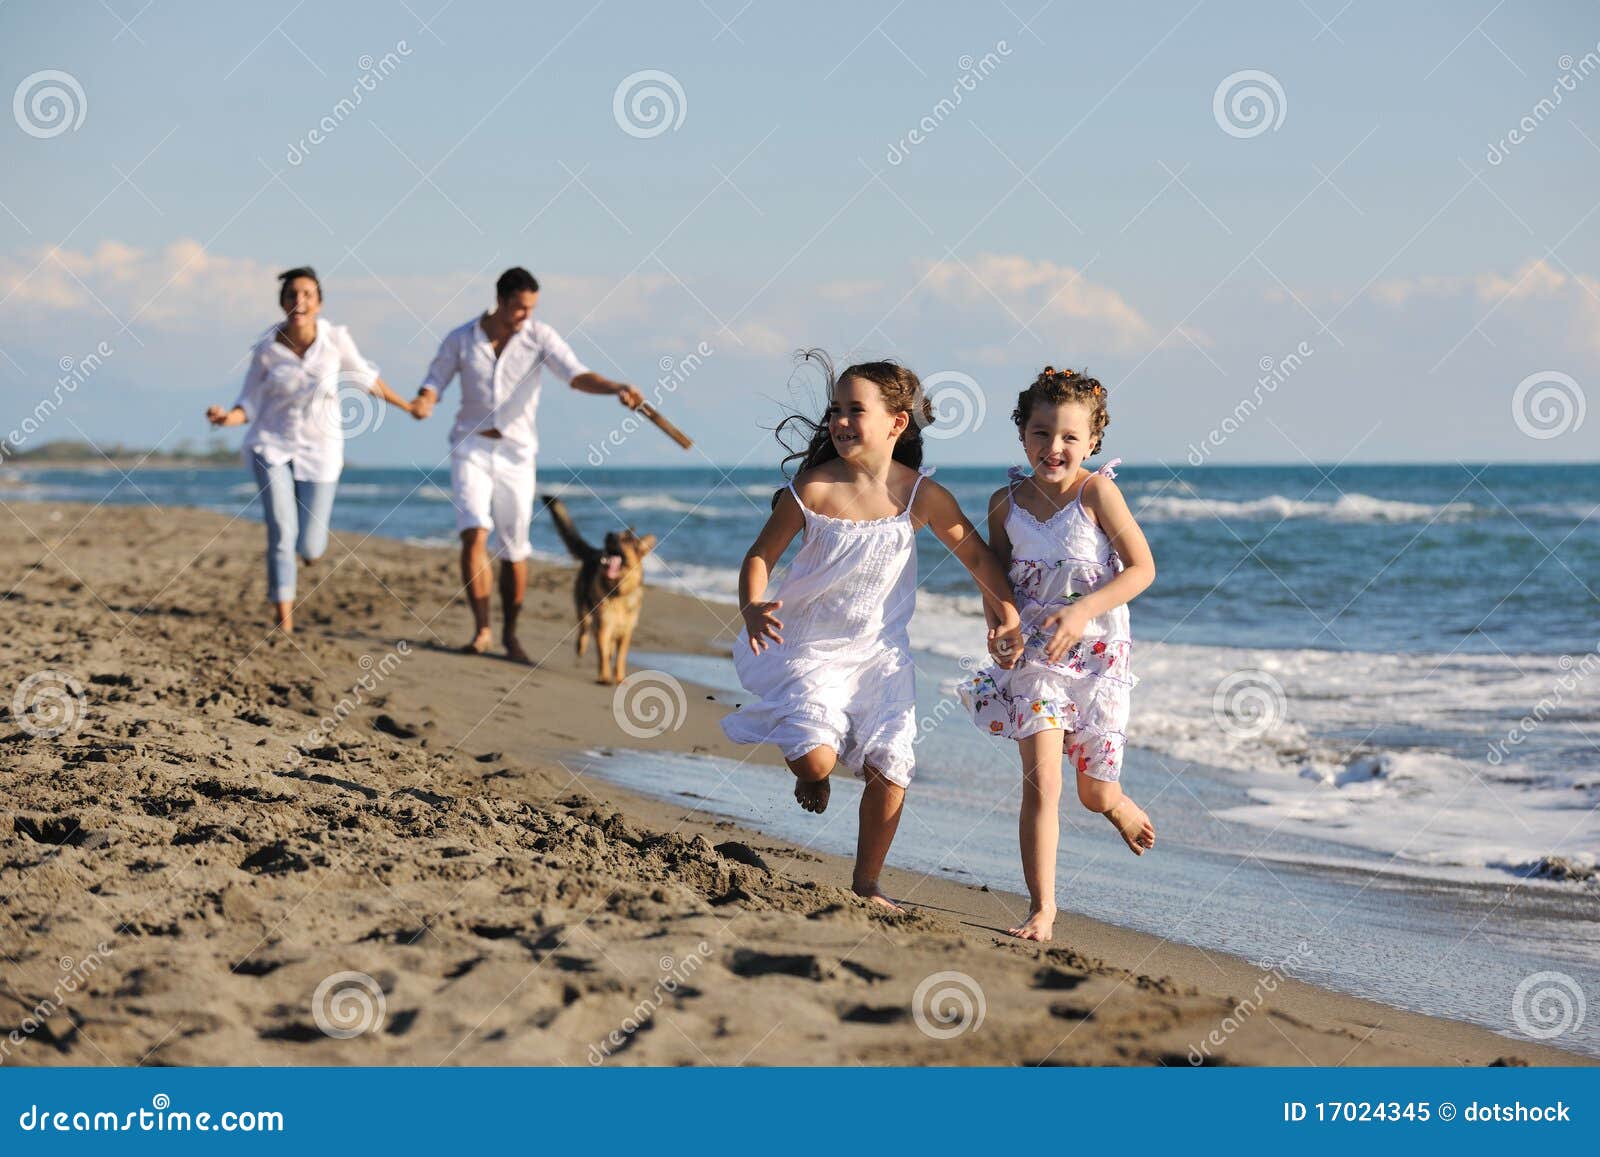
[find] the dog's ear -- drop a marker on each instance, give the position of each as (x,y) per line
(646,544)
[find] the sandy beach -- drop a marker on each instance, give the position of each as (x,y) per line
(230,821)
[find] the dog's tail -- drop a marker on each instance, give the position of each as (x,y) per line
(579,549)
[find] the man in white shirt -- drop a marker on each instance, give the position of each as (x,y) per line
(499,357)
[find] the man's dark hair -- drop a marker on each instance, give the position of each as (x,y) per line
(515,280)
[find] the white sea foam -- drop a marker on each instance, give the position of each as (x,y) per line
(672,505)
(1345,508)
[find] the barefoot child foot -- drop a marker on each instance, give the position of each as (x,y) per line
(813,794)
(514,651)
(811,772)
(1040,925)
(480,642)
(875,894)
(1132,824)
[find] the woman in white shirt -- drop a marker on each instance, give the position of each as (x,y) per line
(300,375)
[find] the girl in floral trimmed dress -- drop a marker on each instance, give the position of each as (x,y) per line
(1076,557)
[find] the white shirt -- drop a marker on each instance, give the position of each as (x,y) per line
(294,404)
(500,393)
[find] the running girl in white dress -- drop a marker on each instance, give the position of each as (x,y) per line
(830,660)
(1076,558)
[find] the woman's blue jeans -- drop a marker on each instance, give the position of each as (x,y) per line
(297,515)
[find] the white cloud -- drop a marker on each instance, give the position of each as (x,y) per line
(184,286)
(1536,296)
(1055,301)
(181,282)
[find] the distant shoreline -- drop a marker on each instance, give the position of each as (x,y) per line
(75,454)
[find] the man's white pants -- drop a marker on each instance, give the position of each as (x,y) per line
(491,485)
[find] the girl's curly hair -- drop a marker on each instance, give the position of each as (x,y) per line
(900,389)
(1053,387)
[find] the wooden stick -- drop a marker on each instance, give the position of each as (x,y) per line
(667,427)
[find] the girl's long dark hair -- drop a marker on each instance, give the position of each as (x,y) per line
(900,389)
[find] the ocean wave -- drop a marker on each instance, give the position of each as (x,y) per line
(666,502)
(1346,508)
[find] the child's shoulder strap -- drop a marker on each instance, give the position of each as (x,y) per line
(796,495)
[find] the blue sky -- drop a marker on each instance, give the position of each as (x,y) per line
(1085,203)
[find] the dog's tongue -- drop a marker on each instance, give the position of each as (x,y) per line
(613,565)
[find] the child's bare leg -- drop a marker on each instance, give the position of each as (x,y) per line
(811,772)
(881,802)
(285,613)
(1130,820)
(1039,831)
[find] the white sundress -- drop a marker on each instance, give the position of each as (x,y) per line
(1086,695)
(843,676)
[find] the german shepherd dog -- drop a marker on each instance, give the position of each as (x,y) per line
(609,590)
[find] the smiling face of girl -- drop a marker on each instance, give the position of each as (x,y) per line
(859,422)
(1057,438)
(301,300)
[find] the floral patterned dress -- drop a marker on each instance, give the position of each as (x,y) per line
(1086,695)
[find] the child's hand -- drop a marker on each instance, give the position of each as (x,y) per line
(1005,644)
(1068,625)
(762,625)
